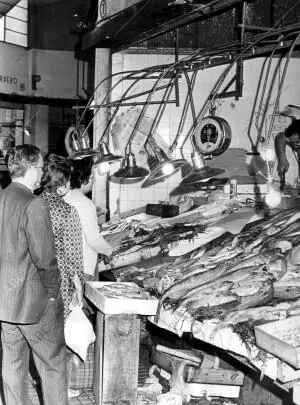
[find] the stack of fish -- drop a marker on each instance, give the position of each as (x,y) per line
(254,276)
(235,273)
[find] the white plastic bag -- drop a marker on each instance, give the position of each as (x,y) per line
(79,333)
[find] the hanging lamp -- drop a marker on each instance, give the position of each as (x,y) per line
(130,170)
(105,156)
(77,143)
(163,166)
(78,146)
(200,171)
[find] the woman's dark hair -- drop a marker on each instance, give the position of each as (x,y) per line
(81,172)
(56,173)
(293,128)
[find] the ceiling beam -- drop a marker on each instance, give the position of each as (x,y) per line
(6,6)
(21,99)
(149,19)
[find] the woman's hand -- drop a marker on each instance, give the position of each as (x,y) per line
(282,165)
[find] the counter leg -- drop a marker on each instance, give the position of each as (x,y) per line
(116,359)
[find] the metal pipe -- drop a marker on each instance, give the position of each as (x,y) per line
(138,103)
(249,27)
(159,114)
(188,102)
(221,79)
(281,85)
(143,93)
(120,101)
(128,72)
(259,128)
(162,106)
(176,60)
(151,95)
(108,93)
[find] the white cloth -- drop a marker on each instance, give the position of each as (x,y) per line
(92,240)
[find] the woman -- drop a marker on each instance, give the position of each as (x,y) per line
(93,242)
(55,184)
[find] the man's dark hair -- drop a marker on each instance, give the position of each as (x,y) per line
(56,173)
(21,158)
(293,128)
(81,172)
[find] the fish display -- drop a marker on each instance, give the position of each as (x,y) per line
(241,280)
(238,272)
(238,279)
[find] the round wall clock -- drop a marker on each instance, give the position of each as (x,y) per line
(213,136)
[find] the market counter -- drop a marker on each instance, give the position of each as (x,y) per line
(224,276)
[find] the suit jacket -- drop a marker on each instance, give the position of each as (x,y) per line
(29,275)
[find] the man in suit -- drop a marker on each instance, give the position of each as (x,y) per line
(31,308)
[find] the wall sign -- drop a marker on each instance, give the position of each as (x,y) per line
(8,79)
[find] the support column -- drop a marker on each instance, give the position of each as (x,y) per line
(40,127)
(103,69)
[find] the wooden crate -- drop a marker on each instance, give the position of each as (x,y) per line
(281,338)
(121,305)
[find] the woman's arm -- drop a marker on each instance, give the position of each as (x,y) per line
(280,146)
(90,229)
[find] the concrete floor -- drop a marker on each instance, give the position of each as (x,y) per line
(254,392)
(87,396)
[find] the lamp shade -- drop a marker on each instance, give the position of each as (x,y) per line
(77,144)
(164,166)
(202,174)
(105,155)
(200,170)
(130,170)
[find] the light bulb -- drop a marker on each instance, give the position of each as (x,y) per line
(168,168)
(273,198)
(268,155)
(103,168)
(27,131)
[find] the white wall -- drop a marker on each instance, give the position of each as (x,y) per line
(124,197)
(59,73)
(14,76)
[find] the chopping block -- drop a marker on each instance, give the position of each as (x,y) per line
(177,363)
(191,374)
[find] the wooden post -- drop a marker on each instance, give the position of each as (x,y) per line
(116,359)
(296,393)
(103,69)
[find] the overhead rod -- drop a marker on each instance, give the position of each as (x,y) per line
(248,27)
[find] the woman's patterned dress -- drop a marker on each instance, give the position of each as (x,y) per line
(68,243)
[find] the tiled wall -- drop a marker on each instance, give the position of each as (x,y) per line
(124,197)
